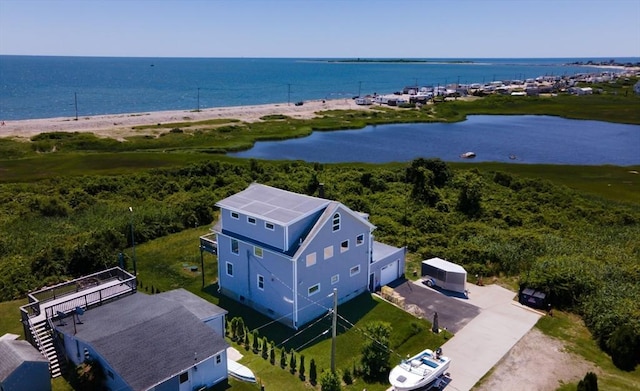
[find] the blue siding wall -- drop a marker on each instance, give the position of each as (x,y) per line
(258,231)
(301,227)
(340,265)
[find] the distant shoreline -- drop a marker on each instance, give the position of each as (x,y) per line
(400,61)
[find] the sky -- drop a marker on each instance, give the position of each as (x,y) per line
(322,28)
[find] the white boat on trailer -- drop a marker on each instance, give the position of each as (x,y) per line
(420,371)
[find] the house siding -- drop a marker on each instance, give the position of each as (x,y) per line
(300,229)
(340,264)
(258,231)
(275,299)
(29,376)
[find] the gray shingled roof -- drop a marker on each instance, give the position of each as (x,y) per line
(196,305)
(147,339)
(13,353)
(271,204)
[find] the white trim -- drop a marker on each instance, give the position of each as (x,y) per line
(267,224)
(249,218)
(226,268)
(236,217)
(344,249)
(361,242)
(238,242)
(258,281)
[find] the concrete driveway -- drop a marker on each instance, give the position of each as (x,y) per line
(487,325)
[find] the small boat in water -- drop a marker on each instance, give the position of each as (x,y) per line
(468,155)
(421,370)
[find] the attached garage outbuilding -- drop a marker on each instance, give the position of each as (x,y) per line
(444,274)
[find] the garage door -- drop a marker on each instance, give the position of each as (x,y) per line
(389,273)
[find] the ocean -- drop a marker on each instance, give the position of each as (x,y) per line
(48,86)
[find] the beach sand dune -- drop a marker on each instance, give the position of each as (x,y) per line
(120,125)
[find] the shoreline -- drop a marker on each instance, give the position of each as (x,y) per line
(120,126)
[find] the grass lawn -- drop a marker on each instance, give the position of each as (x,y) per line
(577,338)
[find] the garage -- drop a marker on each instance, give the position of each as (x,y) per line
(389,273)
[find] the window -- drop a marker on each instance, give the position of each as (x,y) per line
(344,246)
(251,220)
(359,239)
(257,251)
(354,270)
(218,359)
(235,246)
(336,222)
(311,259)
(314,289)
(235,215)
(269,226)
(184,377)
(229,269)
(260,282)
(335,279)
(328,252)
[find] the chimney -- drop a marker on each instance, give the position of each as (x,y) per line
(321,190)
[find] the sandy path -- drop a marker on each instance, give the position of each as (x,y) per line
(536,363)
(119,125)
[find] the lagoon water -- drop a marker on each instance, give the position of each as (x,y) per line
(49,86)
(532,139)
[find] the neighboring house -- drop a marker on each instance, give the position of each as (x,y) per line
(22,367)
(283,253)
(170,341)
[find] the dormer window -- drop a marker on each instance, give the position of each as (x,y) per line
(336,222)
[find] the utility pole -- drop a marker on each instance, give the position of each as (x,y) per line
(333,334)
(133,244)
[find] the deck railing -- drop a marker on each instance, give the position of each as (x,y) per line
(115,280)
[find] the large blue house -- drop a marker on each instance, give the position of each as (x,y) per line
(283,253)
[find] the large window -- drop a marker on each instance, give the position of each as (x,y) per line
(229,269)
(260,282)
(336,222)
(314,289)
(328,252)
(311,259)
(235,246)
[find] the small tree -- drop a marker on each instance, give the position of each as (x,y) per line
(375,352)
(265,348)
(283,358)
(589,383)
(254,346)
(246,339)
(346,376)
(272,353)
(301,369)
(329,381)
(292,361)
(624,346)
(313,374)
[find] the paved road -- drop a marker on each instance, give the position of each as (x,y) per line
(490,323)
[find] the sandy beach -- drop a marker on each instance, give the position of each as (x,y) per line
(120,125)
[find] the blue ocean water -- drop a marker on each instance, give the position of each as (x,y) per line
(43,86)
